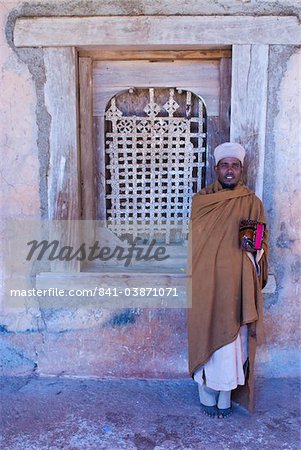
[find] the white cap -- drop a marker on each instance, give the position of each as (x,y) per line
(229,150)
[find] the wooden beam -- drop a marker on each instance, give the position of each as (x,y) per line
(249,106)
(225,98)
(218,127)
(87,154)
(201,77)
(98,143)
(153,55)
(63,173)
(156,30)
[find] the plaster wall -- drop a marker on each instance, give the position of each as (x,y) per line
(140,342)
(19,151)
(282,202)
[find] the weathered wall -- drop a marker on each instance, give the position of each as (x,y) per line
(139,342)
(282,201)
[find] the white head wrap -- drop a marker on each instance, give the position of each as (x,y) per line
(229,150)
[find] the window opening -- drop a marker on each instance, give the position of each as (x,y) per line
(155,152)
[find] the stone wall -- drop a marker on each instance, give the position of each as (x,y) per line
(140,342)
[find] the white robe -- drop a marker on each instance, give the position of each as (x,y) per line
(224,370)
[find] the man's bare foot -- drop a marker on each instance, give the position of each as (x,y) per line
(224,413)
(210,411)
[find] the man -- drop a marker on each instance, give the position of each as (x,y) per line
(225,318)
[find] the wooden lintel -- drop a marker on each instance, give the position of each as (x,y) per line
(155,55)
(156,30)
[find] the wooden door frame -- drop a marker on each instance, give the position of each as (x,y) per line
(218,126)
(61,37)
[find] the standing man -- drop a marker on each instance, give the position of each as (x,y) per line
(228,272)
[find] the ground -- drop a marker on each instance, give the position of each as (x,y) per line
(54,413)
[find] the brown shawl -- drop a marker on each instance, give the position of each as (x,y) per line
(225,291)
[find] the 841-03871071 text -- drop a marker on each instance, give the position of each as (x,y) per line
(139,292)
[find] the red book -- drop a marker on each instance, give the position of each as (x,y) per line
(251,235)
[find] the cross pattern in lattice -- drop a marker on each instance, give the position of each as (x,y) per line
(153,166)
(171,106)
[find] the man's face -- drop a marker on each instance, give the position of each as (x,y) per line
(228,171)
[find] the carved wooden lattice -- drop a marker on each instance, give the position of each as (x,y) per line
(155,159)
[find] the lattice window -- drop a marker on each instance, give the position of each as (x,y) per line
(155,161)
